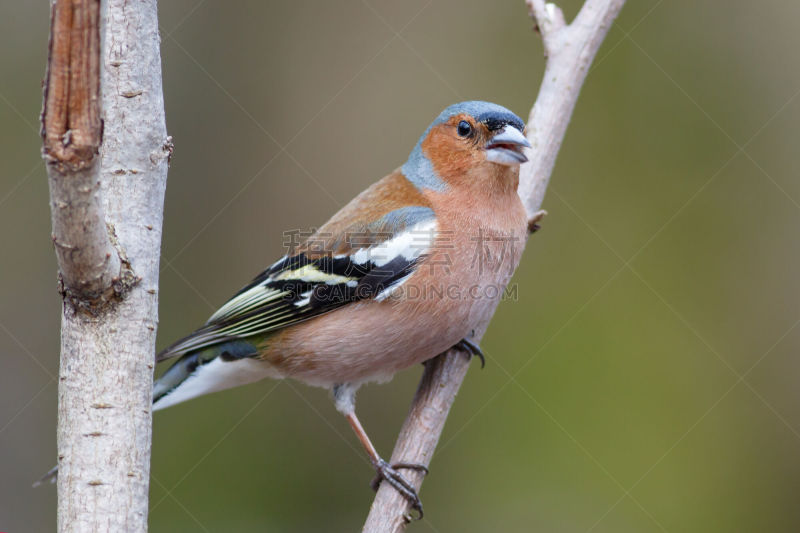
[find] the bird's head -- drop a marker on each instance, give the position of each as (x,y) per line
(470,143)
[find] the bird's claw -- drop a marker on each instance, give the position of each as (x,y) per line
(472,348)
(388,472)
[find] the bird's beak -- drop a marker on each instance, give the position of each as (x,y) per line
(506,146)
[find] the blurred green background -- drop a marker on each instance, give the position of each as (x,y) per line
(645,380)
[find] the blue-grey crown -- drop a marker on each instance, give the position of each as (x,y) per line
(493,115)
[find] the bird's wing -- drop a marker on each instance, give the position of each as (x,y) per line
(342,262)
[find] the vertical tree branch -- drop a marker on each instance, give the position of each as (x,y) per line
(104,61)
(569,50)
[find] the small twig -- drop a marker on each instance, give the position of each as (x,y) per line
(533,222)
(570,50)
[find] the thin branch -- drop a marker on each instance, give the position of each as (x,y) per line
(72,133)
(570,50)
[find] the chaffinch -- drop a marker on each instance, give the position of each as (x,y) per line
(409,268)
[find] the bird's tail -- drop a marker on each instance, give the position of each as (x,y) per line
(210,369)
(179,372)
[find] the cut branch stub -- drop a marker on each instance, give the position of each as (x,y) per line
(71,124)
(91,270)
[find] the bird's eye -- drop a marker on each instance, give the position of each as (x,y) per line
(464,128)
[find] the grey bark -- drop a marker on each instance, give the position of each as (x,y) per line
(569,50)
(107,221)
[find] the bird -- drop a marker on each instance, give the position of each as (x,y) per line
(406,270)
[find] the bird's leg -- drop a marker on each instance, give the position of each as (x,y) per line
(388,472)
(471,348)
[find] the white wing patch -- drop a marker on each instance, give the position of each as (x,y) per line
(409,244)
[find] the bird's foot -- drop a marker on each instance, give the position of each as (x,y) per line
(472,348)
(388,472)
(533,225)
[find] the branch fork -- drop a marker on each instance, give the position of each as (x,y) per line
(569,49)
